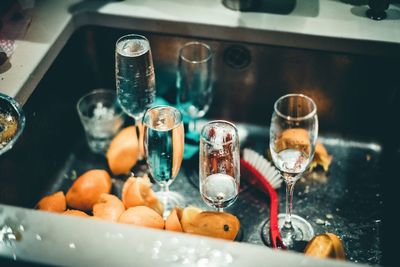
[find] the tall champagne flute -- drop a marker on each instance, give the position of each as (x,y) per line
(293,135)
(219,164)
(135,79)
(194,81)
(163,147)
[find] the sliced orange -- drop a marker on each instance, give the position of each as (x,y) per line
(108,207)
(172,223)
(87,188)
(54,203)
(123,151)
(76,213)
(137,191)
(142,216)
(209,223)
(188,216)
(215,224)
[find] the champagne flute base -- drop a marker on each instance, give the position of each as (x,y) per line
(304,232)
(170,200)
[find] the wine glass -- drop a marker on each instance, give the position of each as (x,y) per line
(194,82)
(135,79)
(293,135)
(219,164)
(163,147)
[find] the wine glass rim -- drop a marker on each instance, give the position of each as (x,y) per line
(118,112)
(311,114)
(132,35)
(219,121)
(195,61)
(126,36)
(176,124)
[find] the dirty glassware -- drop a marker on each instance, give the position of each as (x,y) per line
(293,136)
(101,117)
(219,164)
(135,78)
(194,82)
(163,147)
(12,122)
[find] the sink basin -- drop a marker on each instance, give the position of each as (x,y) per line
(352,92)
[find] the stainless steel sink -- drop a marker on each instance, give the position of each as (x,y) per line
(354,93)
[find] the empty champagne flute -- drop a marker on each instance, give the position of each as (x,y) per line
(135,79)
(163,147)
(293,135)
(219,164)
(194,82)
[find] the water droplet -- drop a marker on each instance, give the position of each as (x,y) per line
(72,246)
(228,258)
(174,241)
(329,216)
(191,251)
(14,256)
(216,253)
(38,237)
(157,244)
(202,262)
(155,253)
(307,189)
(21,228)
(319,221)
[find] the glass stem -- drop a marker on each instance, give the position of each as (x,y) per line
(140,133)
(193,125)
(289,206)
(220,209)
(165,190)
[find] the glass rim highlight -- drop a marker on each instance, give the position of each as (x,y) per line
(204,45)
(177,122)
(291,118)
(215,122)
(131,36)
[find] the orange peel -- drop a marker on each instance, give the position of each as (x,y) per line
(137,192)
(123,152)
(142,216)
(87,188)
(108,207)
(54,203)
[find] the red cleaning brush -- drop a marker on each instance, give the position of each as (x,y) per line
(261,174)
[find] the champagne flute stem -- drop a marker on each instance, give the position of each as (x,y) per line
(289,206)
(164,188)
(193,125)
(140,132)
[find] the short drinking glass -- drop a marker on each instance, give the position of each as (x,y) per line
(101,117)
(219,170)
(293,135)
(163,146)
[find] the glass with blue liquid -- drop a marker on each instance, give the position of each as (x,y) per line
(163,147)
